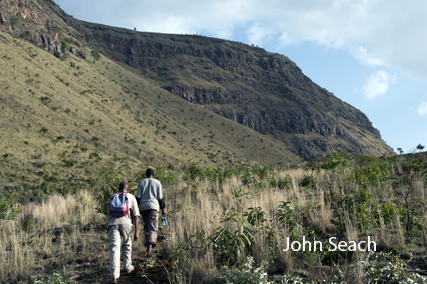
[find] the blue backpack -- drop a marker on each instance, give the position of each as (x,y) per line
(118,205)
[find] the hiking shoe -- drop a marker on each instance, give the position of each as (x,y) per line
(132,268)
(113,280)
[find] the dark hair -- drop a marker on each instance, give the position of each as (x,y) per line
(123,185)
(149,172)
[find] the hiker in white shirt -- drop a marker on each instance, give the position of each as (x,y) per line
(121,226)
(150,199)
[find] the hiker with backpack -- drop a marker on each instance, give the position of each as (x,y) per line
(123,209)
(149,196)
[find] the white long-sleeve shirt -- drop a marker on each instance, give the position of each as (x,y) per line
(150,192)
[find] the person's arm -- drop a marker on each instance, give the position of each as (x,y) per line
(136,224)
(162,206)
(162,201)
(138,194)
(135,218)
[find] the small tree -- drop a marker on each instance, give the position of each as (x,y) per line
(111,177)
(412,173)
(400,151)
(14,20)
(95,54)
(420,147)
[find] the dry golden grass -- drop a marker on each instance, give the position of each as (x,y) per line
(52,236)
(66,235)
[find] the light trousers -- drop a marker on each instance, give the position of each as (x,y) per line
(115,232)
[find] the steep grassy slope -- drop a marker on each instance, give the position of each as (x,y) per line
(63,119)
(263,91)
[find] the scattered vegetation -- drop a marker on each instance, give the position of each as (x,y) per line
(232,224)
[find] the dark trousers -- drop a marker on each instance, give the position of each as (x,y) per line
(151,225)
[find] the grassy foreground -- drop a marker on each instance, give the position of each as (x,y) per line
(240,219)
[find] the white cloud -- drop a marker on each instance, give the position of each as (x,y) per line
(257,34)
(376,32)
(361,54)
(422,109)
(378,84)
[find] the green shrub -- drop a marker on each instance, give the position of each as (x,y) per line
(308,180)
(165,175)
(69,163)
(381,268)
(14,20)
(7,211)
(63,45)
(95,54)
(246,274)
(247,178)
(286,217)
(57,30)
(95,155)
(284,182)
(374,174)
(110,178)
(43,130)
(57,54)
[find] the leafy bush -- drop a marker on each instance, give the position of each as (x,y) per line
(110,177)
(247,178)
(63,45)
(255,216)
(95,155)
(57,54)
(388,211)
(308,180)
(355,207)
(284,182)
(7,211)
(57,30)
(246,274)
(69,163)
(374,174)
(165,175)
(330,162)
(95,54)
(382,268)
(44,130)
(232,240)
(287,218)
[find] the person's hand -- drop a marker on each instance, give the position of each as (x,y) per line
(135,237)
(163,213)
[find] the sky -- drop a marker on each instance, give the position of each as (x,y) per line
(371,54)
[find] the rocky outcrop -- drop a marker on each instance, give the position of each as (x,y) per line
(206,96)
(26,19)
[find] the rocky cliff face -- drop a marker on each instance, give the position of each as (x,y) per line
(264,91)
(28,20)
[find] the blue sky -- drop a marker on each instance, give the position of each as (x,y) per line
(371,54)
